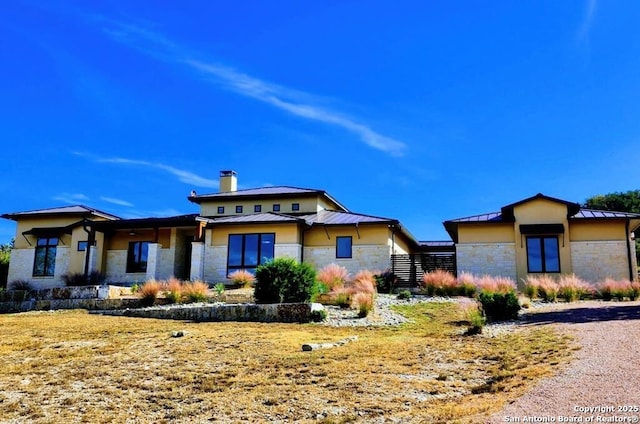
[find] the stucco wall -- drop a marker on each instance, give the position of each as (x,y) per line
(596,260)
(371,257)
(497,259)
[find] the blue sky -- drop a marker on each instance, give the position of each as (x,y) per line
(417,110)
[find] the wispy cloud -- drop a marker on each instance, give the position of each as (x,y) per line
(71,198)
(587,20)
(291,101)
(115,201)
(184,176)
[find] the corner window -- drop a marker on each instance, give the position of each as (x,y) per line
(220,210)
(343,247)
(257,208)
(137,256)
(276,207)
(44,264)
(238,209)
(543,254)
(247,251)
(295,207)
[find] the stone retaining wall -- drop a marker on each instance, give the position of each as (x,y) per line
(283,312)
(48,305)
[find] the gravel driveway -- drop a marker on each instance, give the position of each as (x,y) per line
(603,379)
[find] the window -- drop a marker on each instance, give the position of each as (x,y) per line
(220,210)
(295,206)
(257,208)
(238,209)
(82,246)
(276,207)
(343,247)
(44,264)
(247,251)
(137,256)
(543,254)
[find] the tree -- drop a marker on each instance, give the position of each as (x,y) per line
(5,256)
(620,202)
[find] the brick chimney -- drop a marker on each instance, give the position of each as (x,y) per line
(228,181)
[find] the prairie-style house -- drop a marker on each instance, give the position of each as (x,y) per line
(241,229)
(542,234)
(235,229)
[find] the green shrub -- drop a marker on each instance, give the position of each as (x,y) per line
(318,315)
(284,280)
(499,306)
(474,316)
(385,281)
(219,288)
(404,295)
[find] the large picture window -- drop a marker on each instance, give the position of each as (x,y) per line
(543,254)
(44,264)
(343,247)
(137,256)
(247,251)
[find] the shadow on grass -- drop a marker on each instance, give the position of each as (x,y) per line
(580,315)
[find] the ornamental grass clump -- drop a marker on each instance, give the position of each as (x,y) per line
(172,289)
(149,291)
(634,291)
(363,302)
(242,278)
(466,284)
(439,283)
(474,316)
(543,285)
(195,291)
(572,288)
(333,276)
(363,282)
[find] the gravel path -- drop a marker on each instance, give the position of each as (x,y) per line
(601,382)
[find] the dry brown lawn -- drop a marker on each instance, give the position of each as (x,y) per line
(74,367)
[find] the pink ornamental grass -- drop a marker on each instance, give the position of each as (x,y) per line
(333,276)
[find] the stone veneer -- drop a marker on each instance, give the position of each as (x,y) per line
(22,264)
(495,259)
(371,257)
(594,261)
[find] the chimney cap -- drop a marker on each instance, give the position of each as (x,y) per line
(228,173)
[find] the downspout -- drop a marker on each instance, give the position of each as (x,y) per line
(393,249)
(90,240)
(629,257)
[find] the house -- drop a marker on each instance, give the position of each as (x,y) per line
(235,229)
(542,234)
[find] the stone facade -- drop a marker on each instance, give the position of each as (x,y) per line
(117,268)
(594,261)
(21,264)
(495,259)
(288,251)
(369,257)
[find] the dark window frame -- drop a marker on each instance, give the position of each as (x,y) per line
(239,209)
(136,249)
(243,257)
(544,257)
(220,210)
(338,248)
(49,246)
(295,207)
(276,207)
(257,208)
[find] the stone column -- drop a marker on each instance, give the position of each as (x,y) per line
(197,261)
(153,259)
